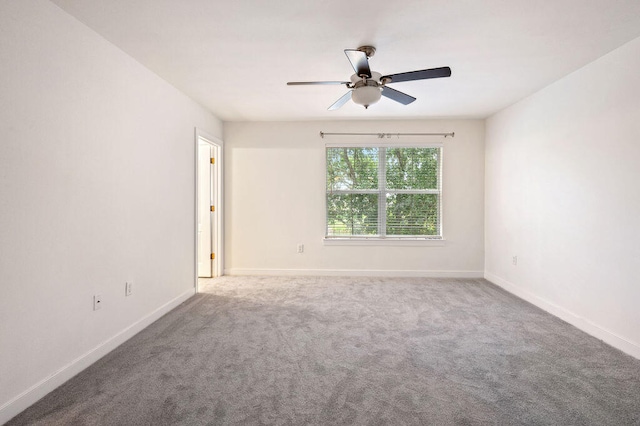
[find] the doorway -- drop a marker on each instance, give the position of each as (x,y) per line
(208,206)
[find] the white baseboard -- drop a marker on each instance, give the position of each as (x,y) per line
(577,321)
(27,398)
(355,273)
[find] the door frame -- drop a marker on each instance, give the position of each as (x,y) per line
(218,240)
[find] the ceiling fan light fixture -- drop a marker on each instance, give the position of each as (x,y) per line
(367,87)
(366,95)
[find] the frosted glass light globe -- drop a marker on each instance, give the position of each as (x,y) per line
(366,95)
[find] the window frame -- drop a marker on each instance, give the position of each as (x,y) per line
(382,191)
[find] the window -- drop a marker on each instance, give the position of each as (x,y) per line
(383,192)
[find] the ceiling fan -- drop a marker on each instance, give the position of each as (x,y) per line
(368,86)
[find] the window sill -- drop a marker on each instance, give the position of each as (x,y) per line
(420,242)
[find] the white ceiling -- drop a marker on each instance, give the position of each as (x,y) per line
(235,56)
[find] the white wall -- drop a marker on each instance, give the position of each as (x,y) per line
(96,186)
(562,174)
(275,199)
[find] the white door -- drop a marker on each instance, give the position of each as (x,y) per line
(205,203)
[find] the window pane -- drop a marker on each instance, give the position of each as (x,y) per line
(352,214)
(412,214)
(352,168)
(412,168)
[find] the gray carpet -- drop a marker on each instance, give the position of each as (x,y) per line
(352,351)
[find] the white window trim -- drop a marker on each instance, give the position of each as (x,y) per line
(438,241)
(384,145)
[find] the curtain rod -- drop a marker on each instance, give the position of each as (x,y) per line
(386,135)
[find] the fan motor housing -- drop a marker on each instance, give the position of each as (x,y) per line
(373,81)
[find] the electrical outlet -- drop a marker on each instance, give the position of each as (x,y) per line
(97,302)
(300,248)
(515,260)
(128,288)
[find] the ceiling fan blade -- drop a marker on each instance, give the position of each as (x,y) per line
(419,75)
(397,96)
(301,83)
(359,62)
(343,100)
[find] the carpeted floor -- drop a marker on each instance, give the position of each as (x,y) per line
(352,351)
